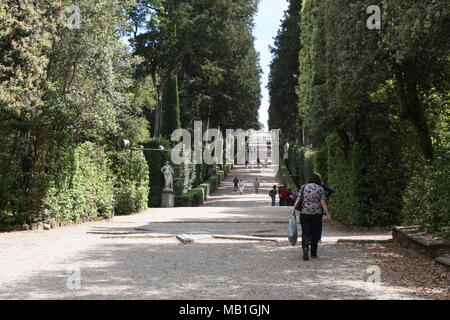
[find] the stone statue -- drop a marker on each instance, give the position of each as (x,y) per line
(168,175)
(286,151)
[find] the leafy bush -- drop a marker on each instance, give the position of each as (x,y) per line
(193,198)
(308,164)
(368,185)
(131,181)
(227,168)
(82,187)
(320,163)
(184,177)
(197,196)
(426,201)
(221,175)
(344,204)
(300,163)
(213,182)
(286,177)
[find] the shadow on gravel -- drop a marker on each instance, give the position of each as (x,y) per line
(137,270)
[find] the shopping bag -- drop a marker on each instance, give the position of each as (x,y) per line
(292,231)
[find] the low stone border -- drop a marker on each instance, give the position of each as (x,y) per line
(364,241)
(184,239)
(46,226)
(240,237)
(444,260)
(414,238)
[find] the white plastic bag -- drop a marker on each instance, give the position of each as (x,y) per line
(292,231)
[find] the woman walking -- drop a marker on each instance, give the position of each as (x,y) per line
(310,203)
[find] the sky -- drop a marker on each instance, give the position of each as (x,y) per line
(267,23)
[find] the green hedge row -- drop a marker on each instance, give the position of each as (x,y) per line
(82,187)
(426,200)
(131,181)
(321,163)
(368,185)
(300,164)
(197,196)
(87,180)
(286,177)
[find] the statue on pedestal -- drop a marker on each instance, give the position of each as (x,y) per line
(168,175)
(286,151)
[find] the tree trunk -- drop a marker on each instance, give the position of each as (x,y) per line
(158,114)
(411,109)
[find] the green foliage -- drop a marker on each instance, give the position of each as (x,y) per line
(344,204)
(184,177)
(320,163)
(58,89)
(368,186)
(286,178)
(373,105)
(83,187)
(284,73)
(426,200)
(218,65)
(300,163)
(131,186)
(156,160)
(227,168)
(197,196)
(194,198)
(171,108)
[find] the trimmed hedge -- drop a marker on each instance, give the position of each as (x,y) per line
(286,177)
(426,201)
(300,164)
(368,185)
(132,181)
(83,186)
(197,196)
(193,198)
(227,168)
(320,163)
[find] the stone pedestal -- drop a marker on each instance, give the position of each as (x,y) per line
(168,198)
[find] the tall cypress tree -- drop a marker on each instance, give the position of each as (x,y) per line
(284,73)
(171,107)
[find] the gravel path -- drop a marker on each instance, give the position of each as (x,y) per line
(138,257)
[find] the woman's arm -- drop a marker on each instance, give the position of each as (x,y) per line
(325,208)
(295,206)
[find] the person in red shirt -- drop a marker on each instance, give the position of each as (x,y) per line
(284,193)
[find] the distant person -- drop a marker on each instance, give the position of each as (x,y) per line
(273,194)
(310,203)
(256,185)
(246,163)
(283,196)
(236,184)
(241,187)
(258,162)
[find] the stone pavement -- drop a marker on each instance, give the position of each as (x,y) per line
(140,257)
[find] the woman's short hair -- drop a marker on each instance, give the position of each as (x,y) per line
(315,178)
